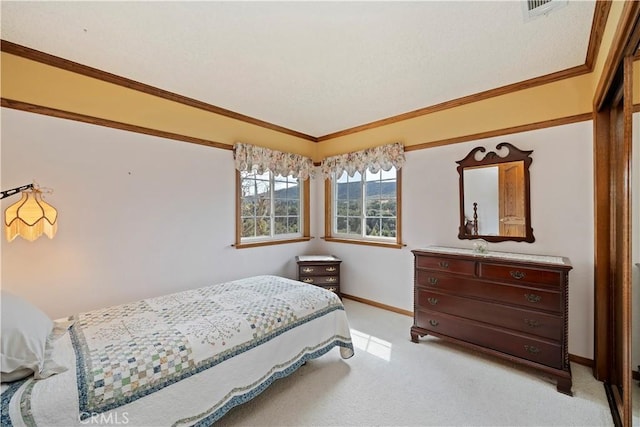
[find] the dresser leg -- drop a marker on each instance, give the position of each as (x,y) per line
(564,386)
(415,335)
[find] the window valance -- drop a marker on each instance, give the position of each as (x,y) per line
(373,159)
(249,156)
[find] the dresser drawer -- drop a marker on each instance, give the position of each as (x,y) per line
(450,265)
(319,270)
(539,299)
(523,320)
(519,345)
(517,274)
(321,280)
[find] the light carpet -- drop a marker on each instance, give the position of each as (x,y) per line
(392,381)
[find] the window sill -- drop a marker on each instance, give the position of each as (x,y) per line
(365,242)
(270,242)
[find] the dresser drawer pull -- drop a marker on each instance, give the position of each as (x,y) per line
(433,301)
(330,269)
(307,280)
(332,289)
(432,280)
(434,322)
(517,274)
(307,269)
(532,323)
(533,297)
(443,264)
(331,279)
(532,349)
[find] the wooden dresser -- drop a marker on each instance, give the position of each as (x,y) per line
(320,270)
(509,305)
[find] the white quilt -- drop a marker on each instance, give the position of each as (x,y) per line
(181,359)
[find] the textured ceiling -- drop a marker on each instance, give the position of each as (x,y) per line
(313,67)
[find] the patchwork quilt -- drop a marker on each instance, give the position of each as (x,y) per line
(181,359)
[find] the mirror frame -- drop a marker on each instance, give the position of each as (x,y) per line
(491,158)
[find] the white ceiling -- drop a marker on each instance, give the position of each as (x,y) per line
(313,67)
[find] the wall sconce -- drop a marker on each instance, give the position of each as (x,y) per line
(31,216)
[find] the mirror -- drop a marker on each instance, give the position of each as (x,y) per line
(494,195)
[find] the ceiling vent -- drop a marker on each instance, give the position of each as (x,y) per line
(535,8)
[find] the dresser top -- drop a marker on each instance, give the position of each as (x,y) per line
(547,259)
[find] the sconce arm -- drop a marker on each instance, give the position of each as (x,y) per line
(13,191)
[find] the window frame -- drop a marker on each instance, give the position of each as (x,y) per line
(304,218)
(329,236)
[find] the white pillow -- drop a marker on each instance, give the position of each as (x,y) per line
(27,340)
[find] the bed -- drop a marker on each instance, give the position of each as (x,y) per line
(181,359)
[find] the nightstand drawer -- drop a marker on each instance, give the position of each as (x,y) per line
(321,280)
(335,289)
(318,270)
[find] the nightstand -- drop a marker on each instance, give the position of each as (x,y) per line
(320,270)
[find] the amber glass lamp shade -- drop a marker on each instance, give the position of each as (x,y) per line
(30,217)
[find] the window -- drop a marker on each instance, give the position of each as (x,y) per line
(271,209)
(365,208)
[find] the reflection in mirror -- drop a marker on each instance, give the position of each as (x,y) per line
(494,195)
(494,199)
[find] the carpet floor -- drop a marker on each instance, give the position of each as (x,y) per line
(393,382)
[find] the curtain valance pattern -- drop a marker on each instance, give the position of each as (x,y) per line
(373,159)
(249,156)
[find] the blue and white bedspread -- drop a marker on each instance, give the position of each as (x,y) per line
(181,359)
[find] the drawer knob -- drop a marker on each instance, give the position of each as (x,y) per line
(517,274)
(332,289)
(532,323)
(432,280)
(443,264)
(307,269)
(307,280)
(434,322)
(331,279)
(432,301)
(533,297)
(532,349)
(330,269)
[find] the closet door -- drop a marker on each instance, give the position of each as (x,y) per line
(620,379)
(613,173)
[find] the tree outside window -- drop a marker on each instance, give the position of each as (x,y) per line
(365,207)
(270,206)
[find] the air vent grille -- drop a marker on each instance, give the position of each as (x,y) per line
(534,8)
(534,4)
